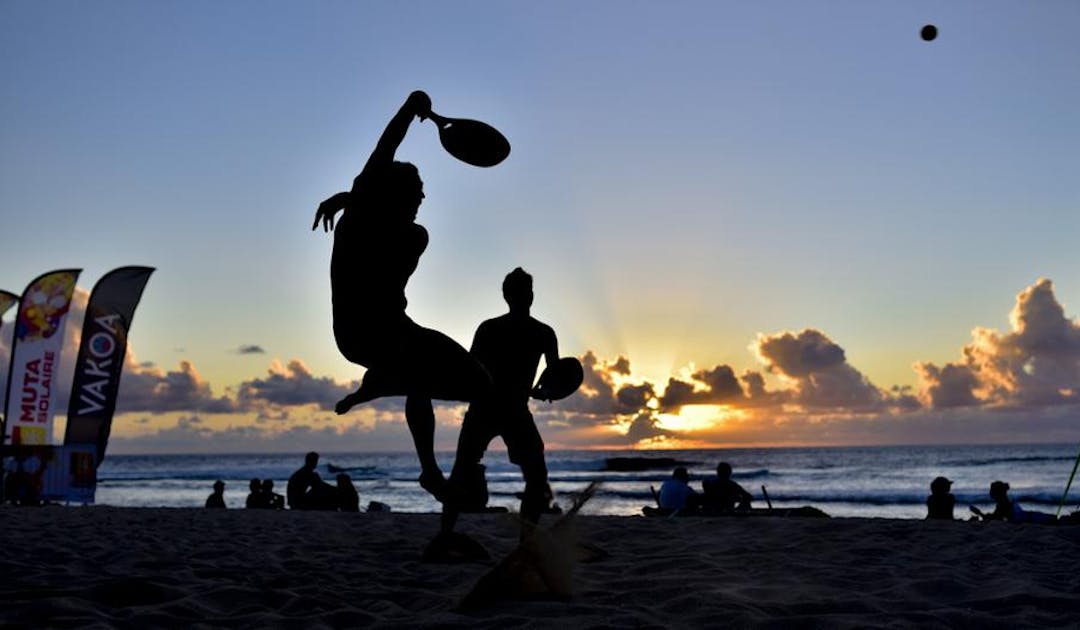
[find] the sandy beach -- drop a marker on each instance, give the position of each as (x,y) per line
(125,567)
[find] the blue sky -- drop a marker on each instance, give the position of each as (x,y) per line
(684,178)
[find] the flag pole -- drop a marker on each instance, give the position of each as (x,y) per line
(1069,484)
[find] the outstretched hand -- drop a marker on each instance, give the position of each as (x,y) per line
(420,103)
(328,209)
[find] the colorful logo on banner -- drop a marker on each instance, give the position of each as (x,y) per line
(35,357)
(44,307)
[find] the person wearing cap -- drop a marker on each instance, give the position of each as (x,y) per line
(940,503)
(676,493)
(217,497)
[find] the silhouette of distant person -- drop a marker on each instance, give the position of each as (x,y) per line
(377,245)
(306,489)
(940,503)
(217,497)
(348,497)
(1005,509)
(256,500)
(723,494)
(22,483)
(676,493)
(510,347)
(273,500)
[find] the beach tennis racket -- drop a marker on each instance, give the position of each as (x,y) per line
(471,141)
(559,380)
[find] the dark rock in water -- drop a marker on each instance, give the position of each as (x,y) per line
(634,464)
(377,506)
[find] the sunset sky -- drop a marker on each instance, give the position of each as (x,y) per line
(756,223)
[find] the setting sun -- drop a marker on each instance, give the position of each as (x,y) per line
(696,417)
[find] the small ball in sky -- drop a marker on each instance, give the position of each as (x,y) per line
(929,32)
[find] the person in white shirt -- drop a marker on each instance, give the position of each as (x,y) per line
(676,493)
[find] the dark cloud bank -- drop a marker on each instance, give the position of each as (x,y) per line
(1019,385)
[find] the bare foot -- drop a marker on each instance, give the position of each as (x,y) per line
(364,393)
(434,482)
(345,404)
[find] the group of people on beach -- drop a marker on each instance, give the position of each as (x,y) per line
(22,480)
(940,504)
(305,491)
(719,495)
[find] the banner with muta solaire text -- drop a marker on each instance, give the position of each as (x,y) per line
(100,360)
(36,344)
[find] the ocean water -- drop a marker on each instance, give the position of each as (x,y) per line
(884,482)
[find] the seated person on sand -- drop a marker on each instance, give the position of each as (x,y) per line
(676,493)
(256,500)
(939,505)
(22,482)
(348,497)
(510,347)
(1005,509)
(722,494)
(377,246)
(217,497)
(307,490)
(274,501)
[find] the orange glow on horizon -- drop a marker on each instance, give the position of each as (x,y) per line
(692,418)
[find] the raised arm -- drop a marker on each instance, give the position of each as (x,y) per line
(418,104)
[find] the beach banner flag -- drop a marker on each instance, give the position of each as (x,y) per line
(101,356)
(36,344)
(7,300)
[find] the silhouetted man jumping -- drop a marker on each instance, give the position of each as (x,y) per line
(377,246)
(510,347)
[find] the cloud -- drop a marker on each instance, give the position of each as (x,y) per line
(645,427)
(143,386)
(191,434)
(1010,385)
(601,395)
(292,384)
(250,349)
(818,370)
(1036,364)
(153,390)
(952,385)
(706,387)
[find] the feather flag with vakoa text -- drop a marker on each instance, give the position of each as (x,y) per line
(101,356)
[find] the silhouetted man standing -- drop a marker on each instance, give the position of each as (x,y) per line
(510,347)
